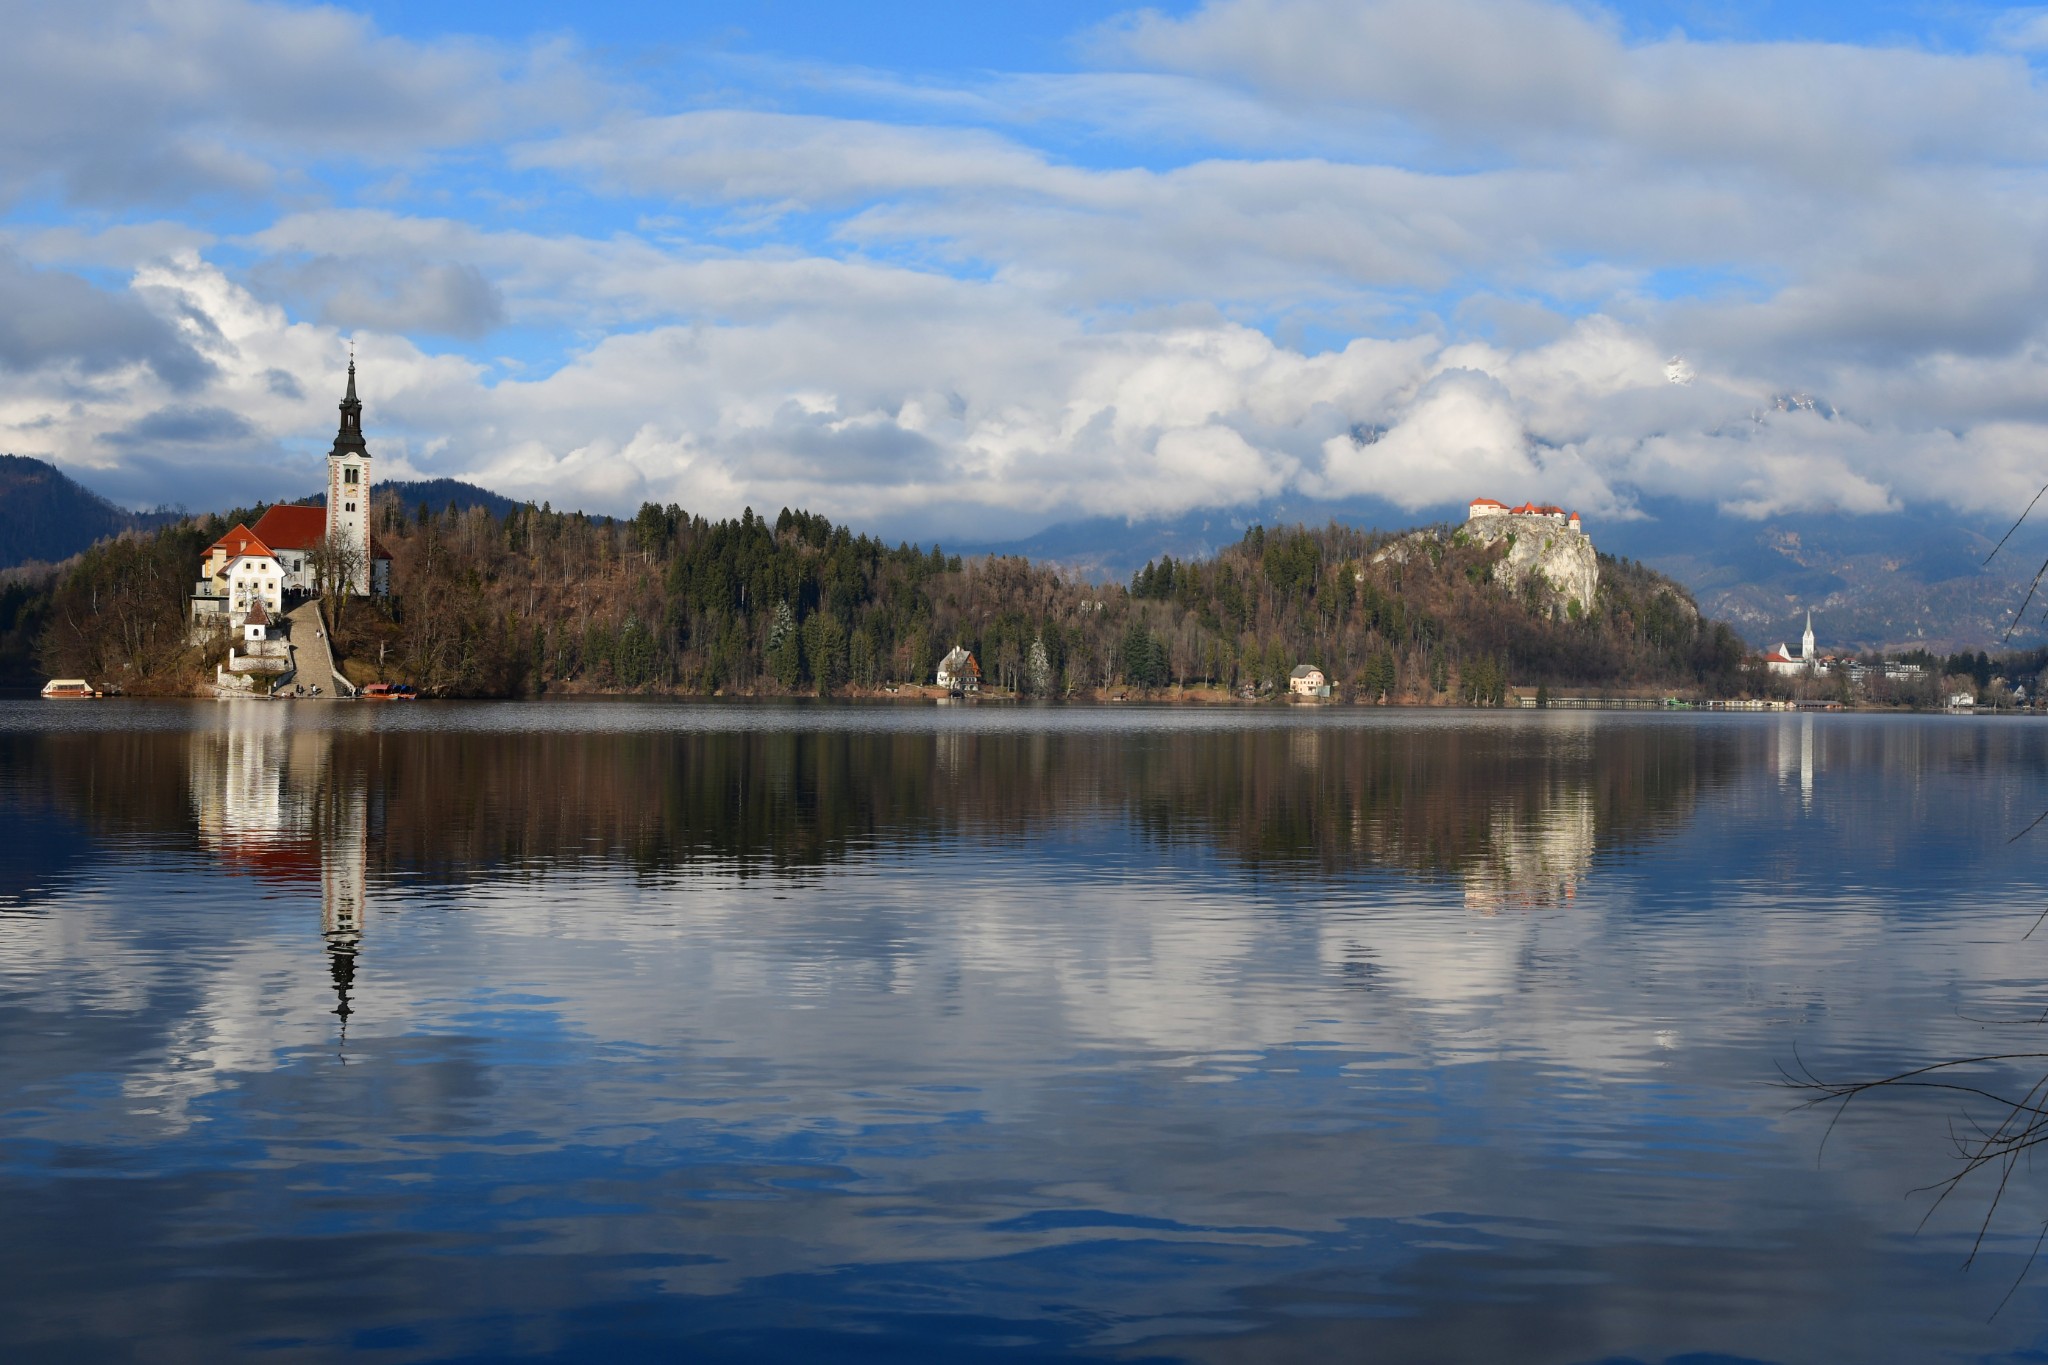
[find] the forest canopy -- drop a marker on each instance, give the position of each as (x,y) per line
(534,600)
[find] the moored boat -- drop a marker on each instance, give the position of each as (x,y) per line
(69,689)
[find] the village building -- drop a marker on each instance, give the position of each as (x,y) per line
(958,672)
(236,572)
(1308,681)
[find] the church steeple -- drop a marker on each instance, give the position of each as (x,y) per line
(348,494)
(349,440)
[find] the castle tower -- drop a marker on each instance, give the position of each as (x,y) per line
(348,487)
(1806,640)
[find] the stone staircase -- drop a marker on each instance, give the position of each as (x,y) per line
(312,658)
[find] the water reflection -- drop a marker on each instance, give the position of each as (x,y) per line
(977,1036)
(1515,813)
(270,801)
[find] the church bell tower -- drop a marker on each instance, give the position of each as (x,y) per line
(348,487)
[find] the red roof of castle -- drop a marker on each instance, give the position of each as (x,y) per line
(293,528)
(1487,502)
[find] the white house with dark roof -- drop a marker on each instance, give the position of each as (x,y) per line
(958,672)
(1308,681)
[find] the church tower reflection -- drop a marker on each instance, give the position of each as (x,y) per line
(271,802)
(344,868)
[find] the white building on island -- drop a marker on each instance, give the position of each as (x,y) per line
(237,572)
(287,548)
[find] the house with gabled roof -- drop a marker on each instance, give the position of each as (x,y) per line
(237,571)
(958,671)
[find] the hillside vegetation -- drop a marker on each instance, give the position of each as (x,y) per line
(46,515)
(536,601)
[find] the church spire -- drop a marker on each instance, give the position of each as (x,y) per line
(349,439)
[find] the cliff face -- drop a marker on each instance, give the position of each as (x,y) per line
(1561,561)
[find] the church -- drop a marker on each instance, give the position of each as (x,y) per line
(290,550)
(1781,661)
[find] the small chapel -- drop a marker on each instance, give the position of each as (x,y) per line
(260,566)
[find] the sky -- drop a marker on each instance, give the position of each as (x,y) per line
(971,271)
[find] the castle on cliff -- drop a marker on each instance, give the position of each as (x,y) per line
(1487,507)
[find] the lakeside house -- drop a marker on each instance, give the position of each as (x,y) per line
(1308,681)
(958,671)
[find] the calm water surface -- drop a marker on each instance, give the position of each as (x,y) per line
(621,1032)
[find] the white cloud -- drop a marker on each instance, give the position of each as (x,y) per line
(1501,221)
(123,102)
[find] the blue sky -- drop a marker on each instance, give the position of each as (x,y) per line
(945,272)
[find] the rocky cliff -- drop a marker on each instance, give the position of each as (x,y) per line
(1560,561)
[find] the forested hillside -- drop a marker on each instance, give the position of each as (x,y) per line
(46,515)
(536,601)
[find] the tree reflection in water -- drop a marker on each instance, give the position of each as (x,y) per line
(1515,813)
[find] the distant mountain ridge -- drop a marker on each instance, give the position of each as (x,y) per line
(46,515)
(438,494)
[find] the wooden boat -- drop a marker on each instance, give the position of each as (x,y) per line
(379,691)
(69,689)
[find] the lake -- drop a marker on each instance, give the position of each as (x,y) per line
(635,1032)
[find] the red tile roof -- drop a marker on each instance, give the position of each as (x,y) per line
(238,542)
(1487,502)
(303,528)
(293,528)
